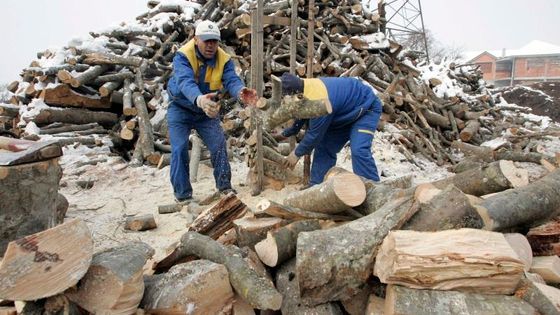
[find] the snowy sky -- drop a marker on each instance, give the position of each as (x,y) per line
(29,26)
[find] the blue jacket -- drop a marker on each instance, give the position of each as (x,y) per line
(350,98)
(183,88)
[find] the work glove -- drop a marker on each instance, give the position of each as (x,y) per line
(206,103)
(248,96)
(291,160)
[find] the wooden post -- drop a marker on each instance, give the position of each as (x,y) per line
(257,84)
(310,54)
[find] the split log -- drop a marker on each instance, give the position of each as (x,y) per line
(63,95)
(24,151)
(114,282)
(145,143)
(250,231)
(46,263)
(297,107)
(256,290)
(529,205)
(545,239)
(73,116)
(444,209)
(128,109)
(548,267)
(186,289)
(216,220)
(333,264)
(332,196)
(270,208)
(468,260)
(280,244)
(494,177)
(287,283)
(29,194)
(522,248)
(542,297)
(140,223)
(194,157)
(401,300)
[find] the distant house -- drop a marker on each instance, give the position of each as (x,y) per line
(535,62)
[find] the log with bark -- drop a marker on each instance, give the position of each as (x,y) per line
(114,281)
(545,239)
(46,263)
(523,206)
(297,107)
(287,282)
(542,297)
(402,300)
(250,231)
(335,195)
(267,207)
(333,264)
(73,116)
(280,244)
(63,95)
(140,223)
(468,260)
(219,218)
(186,288)
(256,290)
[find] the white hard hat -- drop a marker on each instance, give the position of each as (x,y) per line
(207,30)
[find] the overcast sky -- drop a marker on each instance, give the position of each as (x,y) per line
(29,26)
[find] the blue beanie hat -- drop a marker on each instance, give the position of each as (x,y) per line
(291,84)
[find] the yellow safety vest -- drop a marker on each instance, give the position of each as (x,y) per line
(213,74)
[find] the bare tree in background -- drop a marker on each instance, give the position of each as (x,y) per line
(437,50)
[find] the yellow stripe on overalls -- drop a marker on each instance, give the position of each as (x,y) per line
(315,89)
(213,74)
(366,131)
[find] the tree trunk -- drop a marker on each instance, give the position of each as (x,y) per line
(114,282)
(63,95)
(270,208)
(256,290)
(73,116)
(332,196)
(524,206)
(46,263)
(469,260)
(29,194)
(280,244)
(294,107)
(494,177)
(333,264)
(404,301)
(196,287)
(288,285)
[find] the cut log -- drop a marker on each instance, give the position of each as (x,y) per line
(250,231)
(287,283)
(194,157)
(29,195)
(256,290)
(494,177)
(63,95)
(522,248)
(145,142)
(140,223)
(297,107)
(542,297)
(548,267)
(186,289)
(73,116)
(332,196)
(270,208)
(170,208)
(9,110)
(114,282)
(333,264)
(444,210)
(545,239)
(468,260)
(401,301)
(280,245)
(529,205)
(110,59)
(46,263)
(24,151)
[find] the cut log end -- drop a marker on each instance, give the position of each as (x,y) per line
(350,189)
(267,251)
(516,176)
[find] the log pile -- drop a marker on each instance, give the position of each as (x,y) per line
(121,83)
